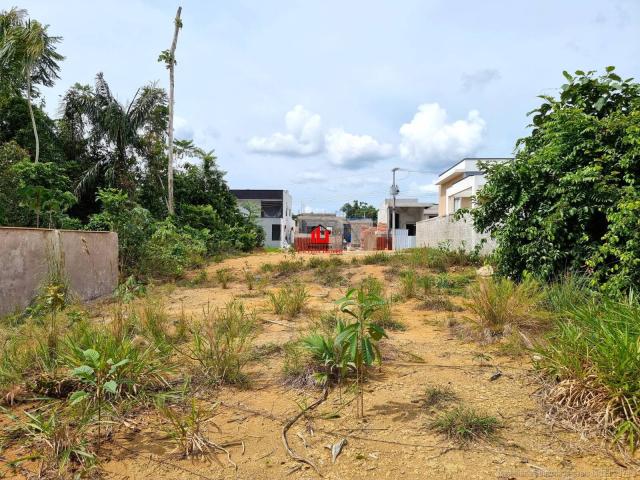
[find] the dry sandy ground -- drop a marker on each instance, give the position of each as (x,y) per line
(393,440)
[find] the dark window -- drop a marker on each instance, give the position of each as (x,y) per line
(275,233)
(411,228)
(271,209)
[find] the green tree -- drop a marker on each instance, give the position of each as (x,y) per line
(360,210)
(112,132)
(568,200)
(43,189)
(28,57)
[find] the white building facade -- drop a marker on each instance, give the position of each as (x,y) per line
(274,210)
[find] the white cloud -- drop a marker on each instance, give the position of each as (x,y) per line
(303,135)
(354,151)
(309,177)
(431,142)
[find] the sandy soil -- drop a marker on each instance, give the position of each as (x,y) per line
(393,441)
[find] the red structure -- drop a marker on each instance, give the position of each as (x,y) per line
(318,241)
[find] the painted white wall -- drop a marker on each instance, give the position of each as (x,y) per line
(285,222)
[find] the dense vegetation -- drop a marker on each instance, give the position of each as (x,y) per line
(102,164)
(569,201)
(359,209)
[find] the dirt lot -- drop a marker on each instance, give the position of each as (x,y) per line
(393,440)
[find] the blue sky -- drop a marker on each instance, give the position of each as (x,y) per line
(324,98)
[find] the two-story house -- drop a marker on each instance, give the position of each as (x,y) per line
(273,207)
(460,183)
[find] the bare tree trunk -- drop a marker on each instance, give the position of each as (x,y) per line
(172,64)
(33,118)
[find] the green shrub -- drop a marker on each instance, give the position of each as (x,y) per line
(581,203)
(145,369)
(592,354)
(372,286)
(170,250)
(465,425)
(498,302)
(132,223)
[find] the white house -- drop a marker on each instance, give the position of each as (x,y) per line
(459,183)
(275,214)
(409,211)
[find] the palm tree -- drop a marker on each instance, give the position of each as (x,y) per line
(28,57)
(113,129)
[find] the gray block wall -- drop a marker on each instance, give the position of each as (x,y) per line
(456,233)
(89,261)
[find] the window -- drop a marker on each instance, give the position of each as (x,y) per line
(411,229)
(457,203)
(275,233)
(271,209)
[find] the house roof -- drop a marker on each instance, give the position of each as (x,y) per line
(408,202)
(249,194)
(468,166)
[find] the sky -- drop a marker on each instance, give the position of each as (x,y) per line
(324,98)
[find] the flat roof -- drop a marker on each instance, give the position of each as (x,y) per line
(475,159)
(250,194)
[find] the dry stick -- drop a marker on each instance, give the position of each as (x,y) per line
(293,420)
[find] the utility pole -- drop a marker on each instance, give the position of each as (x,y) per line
(394,191)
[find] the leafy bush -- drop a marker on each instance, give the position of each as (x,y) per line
(569,200)
(498,302)
(132,223)
(592,356)
(170,250)
(142,368)
(222,343)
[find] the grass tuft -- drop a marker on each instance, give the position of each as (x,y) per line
(498,302)
(290,300)
(465,425)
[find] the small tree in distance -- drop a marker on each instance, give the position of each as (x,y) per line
(359,209)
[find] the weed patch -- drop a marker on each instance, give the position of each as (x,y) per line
(465,425)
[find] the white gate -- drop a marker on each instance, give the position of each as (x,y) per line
(403,240)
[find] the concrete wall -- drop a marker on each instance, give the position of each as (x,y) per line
(456,233)
(89,261)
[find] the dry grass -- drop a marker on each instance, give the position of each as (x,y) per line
(498,302)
